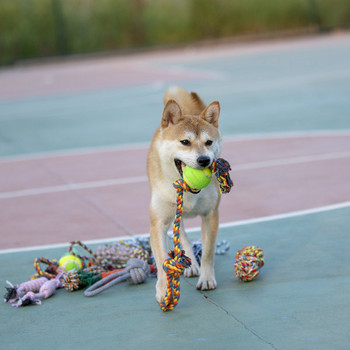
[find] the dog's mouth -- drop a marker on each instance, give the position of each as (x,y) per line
(180,166)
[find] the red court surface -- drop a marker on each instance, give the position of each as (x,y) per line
(104,193)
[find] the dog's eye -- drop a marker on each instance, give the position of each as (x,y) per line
(185,142)
(209,143)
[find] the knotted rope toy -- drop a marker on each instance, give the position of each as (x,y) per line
(178,261)
(51,271)
(221,248)
(249,261)
(136,271)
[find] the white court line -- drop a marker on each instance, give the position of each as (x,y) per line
(141,179)
(144,146)
(72,187)
(193,229)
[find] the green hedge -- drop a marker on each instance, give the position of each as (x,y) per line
(39,28)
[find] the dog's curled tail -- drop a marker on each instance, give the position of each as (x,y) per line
(190,103)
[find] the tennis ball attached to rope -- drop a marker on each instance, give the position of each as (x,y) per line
(249,261)
(197,178)
(70,262)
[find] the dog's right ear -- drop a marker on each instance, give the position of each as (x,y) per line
(172,114)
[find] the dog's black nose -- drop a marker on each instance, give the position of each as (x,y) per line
(203,161)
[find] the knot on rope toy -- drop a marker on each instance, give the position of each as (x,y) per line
(51,271)
(221,168)
(136,272)
(249,261)
(175,265)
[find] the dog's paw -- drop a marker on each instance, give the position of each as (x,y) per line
(206,283)
(192,271)
(160,291)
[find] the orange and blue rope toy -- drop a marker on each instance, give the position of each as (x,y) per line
(177,260)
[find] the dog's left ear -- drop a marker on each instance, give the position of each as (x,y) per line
(211,114)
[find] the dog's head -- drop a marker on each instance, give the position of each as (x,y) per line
(192,140)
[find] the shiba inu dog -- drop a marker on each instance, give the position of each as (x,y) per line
(188,135)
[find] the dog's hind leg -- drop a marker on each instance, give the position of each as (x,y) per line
(210,225)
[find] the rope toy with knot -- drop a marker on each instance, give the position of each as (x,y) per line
(75,280)
(136,271)
(249,261)
(51,271)
(177,260)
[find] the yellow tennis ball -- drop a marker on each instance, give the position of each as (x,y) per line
(197,178)
(70,262)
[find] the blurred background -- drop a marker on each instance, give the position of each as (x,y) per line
(44,28)
(81,94)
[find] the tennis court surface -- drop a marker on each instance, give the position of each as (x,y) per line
(73,142)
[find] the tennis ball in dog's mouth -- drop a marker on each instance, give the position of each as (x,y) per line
(70,262)
(197,178)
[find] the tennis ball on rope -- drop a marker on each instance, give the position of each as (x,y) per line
(197,178)
(249,261)
(70,262)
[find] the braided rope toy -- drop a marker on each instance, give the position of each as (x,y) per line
(51,271)
(119,253)
(75,280)
(93,259)
(221,248)
(136,271)
(178,261)
(249,261)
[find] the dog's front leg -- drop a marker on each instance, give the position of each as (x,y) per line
(186,245)
(159,245)
(210,224)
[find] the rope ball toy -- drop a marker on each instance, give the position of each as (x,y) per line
(249,261)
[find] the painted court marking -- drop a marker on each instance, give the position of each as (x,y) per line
(194,229)
(141,179)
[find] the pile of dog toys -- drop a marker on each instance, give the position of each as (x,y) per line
(108,265)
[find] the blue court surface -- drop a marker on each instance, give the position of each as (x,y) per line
(301,298)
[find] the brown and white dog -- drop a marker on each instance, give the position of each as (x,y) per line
(188,135)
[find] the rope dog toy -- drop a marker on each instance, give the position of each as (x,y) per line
(178,261)
(51,270)
(15,291)
(45,291)
(136,271)
(249,261)
(93,258)
(221,248)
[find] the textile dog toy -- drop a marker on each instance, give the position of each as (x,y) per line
(249,261)
(45,291)
(15,291)
(177,260)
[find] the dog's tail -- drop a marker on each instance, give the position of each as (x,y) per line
(190,103)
